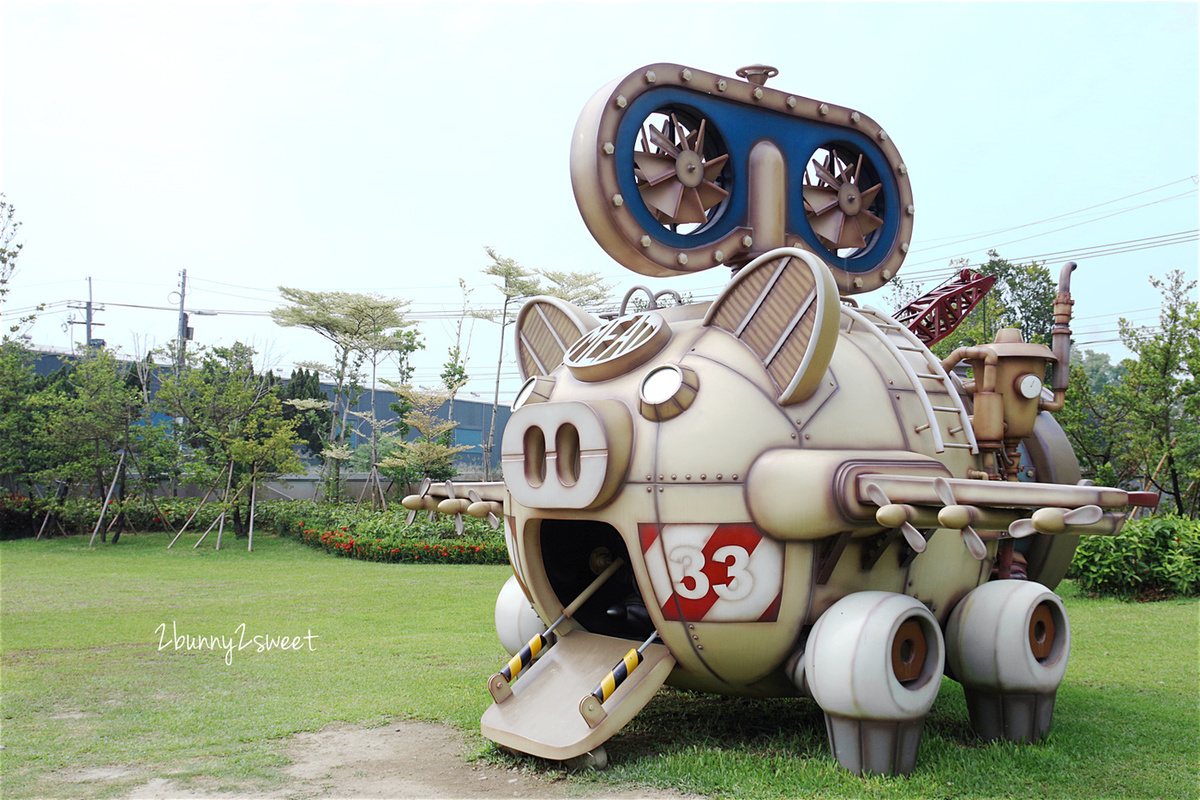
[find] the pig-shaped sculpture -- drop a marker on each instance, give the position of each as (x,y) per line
(778,492)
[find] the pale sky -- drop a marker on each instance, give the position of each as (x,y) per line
(380,146)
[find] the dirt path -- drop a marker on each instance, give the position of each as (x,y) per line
(401,760)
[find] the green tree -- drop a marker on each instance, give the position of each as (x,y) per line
(362,328)
(431,454)
(517,284)
(232,418)
(20,446)
(1159,389)
(1022,298)
(312,418)
(10,250)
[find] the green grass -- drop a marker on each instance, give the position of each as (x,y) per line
(85,685)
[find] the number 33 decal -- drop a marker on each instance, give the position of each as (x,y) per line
(691,582)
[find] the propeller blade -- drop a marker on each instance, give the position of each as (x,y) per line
(450,489)
(914,538)
(820,199)
(1087,515)
(868,196)
(851,234)
(412,515)
(662,142)
(876,495)
(699,144)
(944,492)
(1021,528)
(664,197)
(713,167)
(691,209)
(825,175)
(975,545)
(710,194)
(655,167)
(829,227)
(458,524)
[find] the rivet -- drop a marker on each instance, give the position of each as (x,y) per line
(691,627)
(824,109)
(699,647)
(855,117)
(791,101)
(649,477)
(904,247)
(682,259)
(735,477)
(758,93)
(621,101)
(660,477)
(719,255)
(687,477)
(721,85)
(887,274)
(703,476)
(617,200)
(686,74)
(649,488)
(793,436)
(650,76)
(718,476)
(660,489)
(694,636)
(858,283)
(882,136)
(903,169)
(747,241)
(672,477)
(609,149)
(808,436)
(910,210)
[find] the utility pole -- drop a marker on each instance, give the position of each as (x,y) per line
(88,320)
(184,332)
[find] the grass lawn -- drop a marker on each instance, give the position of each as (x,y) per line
(92,680)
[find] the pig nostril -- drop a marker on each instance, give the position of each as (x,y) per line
(535,456)
(566,447)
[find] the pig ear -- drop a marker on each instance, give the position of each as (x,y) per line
(546,327)
(784,307)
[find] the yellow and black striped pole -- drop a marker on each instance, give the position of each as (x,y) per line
(528,653)
(617,675)
(498,683)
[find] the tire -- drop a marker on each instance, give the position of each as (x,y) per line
(516,621)
(1009,637)
(875,656)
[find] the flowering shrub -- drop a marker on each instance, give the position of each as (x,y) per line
(358,532)
(1150,558)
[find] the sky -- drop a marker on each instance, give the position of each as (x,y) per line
(379,147)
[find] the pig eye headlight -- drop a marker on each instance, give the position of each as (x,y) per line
(667,391)
(535,390)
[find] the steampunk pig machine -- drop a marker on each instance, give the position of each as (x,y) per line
(782,491)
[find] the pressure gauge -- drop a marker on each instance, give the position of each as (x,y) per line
(1029,386)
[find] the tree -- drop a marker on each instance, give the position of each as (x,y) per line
(1022,298)
(431,454)
(232,418)
(362,328)
(10,250)
(313,417)
(1158,393)
(518,283)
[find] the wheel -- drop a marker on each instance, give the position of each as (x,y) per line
(1007,643)
(873,662)
(516,621)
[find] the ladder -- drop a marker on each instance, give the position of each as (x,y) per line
(899,340)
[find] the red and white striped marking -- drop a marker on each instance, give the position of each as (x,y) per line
(713,572)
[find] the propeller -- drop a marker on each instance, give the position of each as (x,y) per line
(454,505)
(895,515)
(1055,520)
(418,502)
(678,182)
(836,201)
(956,516)
(482,509)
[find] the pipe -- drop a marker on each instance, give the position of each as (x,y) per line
(1060,338)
